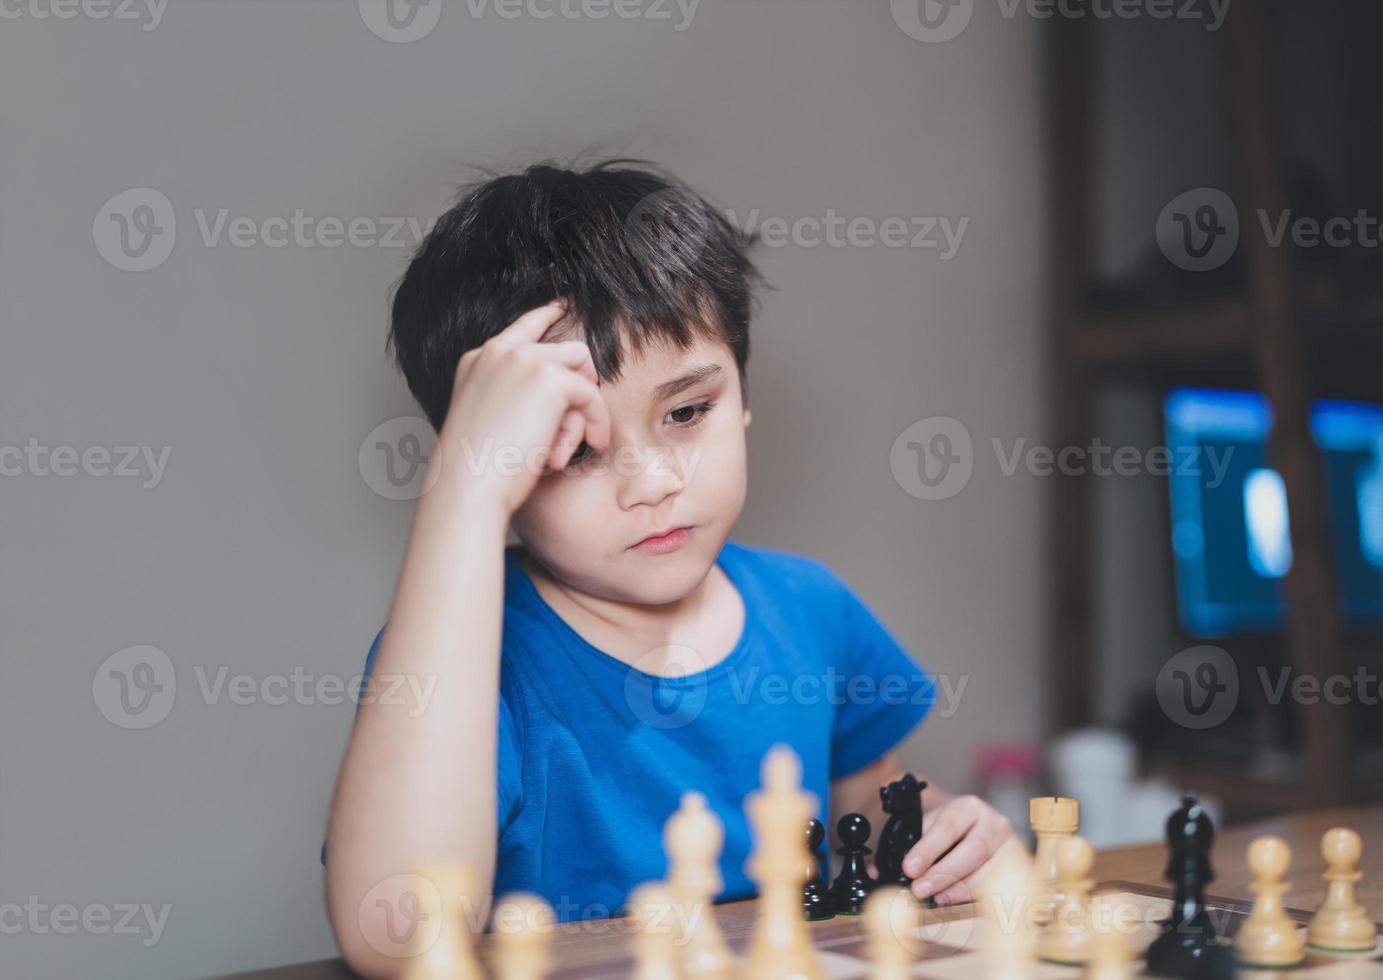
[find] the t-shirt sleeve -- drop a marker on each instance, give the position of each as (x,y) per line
(885,694)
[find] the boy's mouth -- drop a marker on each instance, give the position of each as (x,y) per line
(661,544)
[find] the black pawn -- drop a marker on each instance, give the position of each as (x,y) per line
(815,904)
(853,885)
(1187,945)
(902,800)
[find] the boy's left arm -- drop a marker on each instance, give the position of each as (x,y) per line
(959,833)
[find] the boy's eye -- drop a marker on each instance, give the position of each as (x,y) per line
(685,417)
(689,415)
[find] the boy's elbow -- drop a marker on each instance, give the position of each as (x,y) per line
(348,925)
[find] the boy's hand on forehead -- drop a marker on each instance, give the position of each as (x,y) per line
(517,390)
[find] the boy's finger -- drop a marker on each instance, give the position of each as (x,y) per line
(949,827)
(585,397)
(573,354)
(530,327)
(567,441)
(959,864)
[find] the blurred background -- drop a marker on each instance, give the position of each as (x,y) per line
(1071,369)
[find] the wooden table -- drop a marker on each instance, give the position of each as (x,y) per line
(603,941)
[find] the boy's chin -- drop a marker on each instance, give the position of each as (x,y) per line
(657,581)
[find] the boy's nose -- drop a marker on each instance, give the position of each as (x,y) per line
(646,475)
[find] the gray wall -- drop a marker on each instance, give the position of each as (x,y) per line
(260,550)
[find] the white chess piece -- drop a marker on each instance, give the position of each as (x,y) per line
(1341,924)
(1006,915)
(692,839)
(780,948)
(657,934)
(1268,937)
(523,929)
(1111,953)
(892,917)
(447,953)
(1067,936)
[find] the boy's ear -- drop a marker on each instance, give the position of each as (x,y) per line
(747,417)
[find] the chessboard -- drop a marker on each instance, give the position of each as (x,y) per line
(949,944)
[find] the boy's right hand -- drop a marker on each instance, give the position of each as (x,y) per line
(515,391)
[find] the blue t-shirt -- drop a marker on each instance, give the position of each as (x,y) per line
(595,754)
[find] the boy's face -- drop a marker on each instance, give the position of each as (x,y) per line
(676,459)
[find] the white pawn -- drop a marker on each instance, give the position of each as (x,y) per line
(1110,951)
(1268,938)
(1006,939)
(657,936)
(445,953)
(692,839)
(891,917)
(1067,937)
(1341,924)
(523,931)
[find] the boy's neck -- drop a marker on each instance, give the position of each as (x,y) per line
(706,619)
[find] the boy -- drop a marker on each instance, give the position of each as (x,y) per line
(597,321)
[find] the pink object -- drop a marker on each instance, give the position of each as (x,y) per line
(1007,759)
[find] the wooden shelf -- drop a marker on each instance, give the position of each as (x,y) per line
(1277,324)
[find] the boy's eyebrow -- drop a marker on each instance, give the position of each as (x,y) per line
(694,377)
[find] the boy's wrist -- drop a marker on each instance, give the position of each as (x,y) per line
(450,479)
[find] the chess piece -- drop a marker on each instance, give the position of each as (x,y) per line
(780,948)
(693,838)
(523,929)
(1006,937)
(446,952)
(854,883)
(1053,819)
(815,904)
(1066,938)
(891,918)
(657,936)
(902,801)
(1186,941)
(1268,938)
(1111,955)
(1341,924)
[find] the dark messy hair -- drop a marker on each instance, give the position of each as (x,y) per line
(634,251)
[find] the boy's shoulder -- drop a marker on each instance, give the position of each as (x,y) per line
(783,570)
